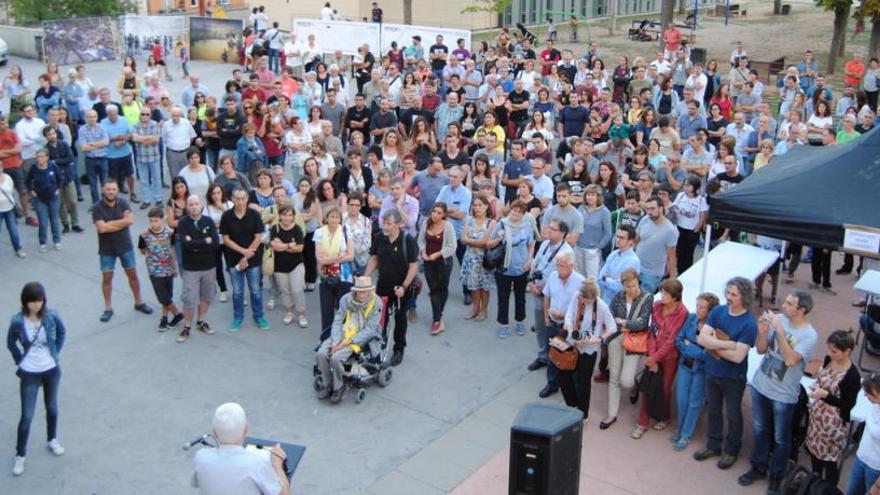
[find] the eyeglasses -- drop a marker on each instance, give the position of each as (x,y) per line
(145,115)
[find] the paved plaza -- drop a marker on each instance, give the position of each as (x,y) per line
(130,396)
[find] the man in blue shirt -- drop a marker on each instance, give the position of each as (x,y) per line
(426,185)
(727,336)
(620,260)
(515,170)
(573,118)
(119,165)
(692,121)
(458,204)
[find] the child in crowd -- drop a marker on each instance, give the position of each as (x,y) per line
(573,26)
(156,245)
(551,29)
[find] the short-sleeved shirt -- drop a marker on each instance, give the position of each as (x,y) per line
(514,169)
(112,243)
(571,216)
(286,262)
(742,329)
(393,262)
(653,241)
(230,469)
(429,187)
(241,231)
(158,247)
(119,128)
(774,379)
(8,140)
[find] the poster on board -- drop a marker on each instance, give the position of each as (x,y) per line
(338,35)
(81,40)
(139,32)
(403,33)
(215,39)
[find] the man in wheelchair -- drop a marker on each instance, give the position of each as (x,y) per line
(356,324)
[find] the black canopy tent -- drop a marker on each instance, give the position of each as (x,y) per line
(807,195)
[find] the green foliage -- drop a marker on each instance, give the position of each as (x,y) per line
(834,5)
(868,9)
(493,6)
(28,12)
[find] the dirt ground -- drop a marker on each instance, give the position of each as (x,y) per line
(763,35)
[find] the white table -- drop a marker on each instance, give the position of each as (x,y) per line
(727,260)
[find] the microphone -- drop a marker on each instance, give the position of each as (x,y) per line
(190,444)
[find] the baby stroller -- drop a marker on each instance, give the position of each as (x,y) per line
(641,33)
(364,367)
(526,34)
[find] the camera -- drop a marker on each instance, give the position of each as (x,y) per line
(535,276)
(576,335)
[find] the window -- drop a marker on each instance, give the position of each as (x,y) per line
(508,16)
(533,11)
(599,8)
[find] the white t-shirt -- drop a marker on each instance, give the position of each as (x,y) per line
(7,194)
(198,182)
(38,358)
(292,60)
(326,14)
(689,210)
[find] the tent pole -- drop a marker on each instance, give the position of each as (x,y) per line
(706,245)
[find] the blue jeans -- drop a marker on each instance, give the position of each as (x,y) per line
(650,282)
(96,170)
(49,212)
(151,182)
(254,278)
(29,386)
(212,158)
(690,391)
(12,226)
(771,418)
(861,478)
(274,61)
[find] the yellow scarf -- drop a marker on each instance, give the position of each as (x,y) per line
(332,243)
(350,327)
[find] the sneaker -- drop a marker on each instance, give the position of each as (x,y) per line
(44,248)
(183,336)
(144,205)
(726,461)
(270,304)
(829,290)
(159,203)
(302,321)
(65,229)
(520,328)
(675,438)
(681,444)
(163,323)
(236,324)
(310,287)
(203,327)
(79,198)
(176,320)
(77,229)
(705,453)
(263,323)
(750,476)
(133,198)
(55,447)
(143,308)
(106,315)
(224,296)
(504,332)
(32,222)
(21,254)
(58,246)
(288,319)
(638,432)
(18,467)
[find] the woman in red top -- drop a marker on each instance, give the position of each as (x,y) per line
(437,245)
(722,99)
(668,317)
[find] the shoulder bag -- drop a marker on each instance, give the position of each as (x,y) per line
(563,355)
(636,342)
(493,259)
(268,260)
(29,346)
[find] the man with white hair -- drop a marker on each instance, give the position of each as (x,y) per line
(356,323)
(199,244)
(230,469)
(177,134)
(119,164)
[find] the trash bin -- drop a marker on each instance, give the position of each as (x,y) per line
(698,55)
(786,9)
(38,45)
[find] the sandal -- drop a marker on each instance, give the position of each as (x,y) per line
(638,432)
(660,425)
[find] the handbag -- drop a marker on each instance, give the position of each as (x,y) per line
(636,342)
(493,259)
(564,360)
(268,261)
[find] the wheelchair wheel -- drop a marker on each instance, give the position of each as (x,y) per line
(318,384)
(361,394)
(384,377)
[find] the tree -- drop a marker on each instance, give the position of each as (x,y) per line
(407,11)
(667,9)
(869,10)
(35,11)
(841,10)
(777,7)
(491,6)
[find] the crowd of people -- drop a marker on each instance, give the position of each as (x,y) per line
(508,169)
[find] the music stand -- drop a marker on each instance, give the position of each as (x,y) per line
(869,284)
(294,452)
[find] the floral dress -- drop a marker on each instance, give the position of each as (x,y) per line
(359,233)
(826,433)
(473,275)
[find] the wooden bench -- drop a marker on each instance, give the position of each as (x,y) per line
(768,67)
(734,11)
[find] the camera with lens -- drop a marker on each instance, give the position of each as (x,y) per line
(536,276)
(576,335)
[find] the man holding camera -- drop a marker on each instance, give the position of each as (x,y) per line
(230,468)
(559,287)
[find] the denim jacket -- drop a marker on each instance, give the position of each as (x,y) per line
(690,349)
(17,336)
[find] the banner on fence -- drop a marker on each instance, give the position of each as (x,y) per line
(338,35)
(403,33)
(215,39)
(139,32)
(80,40)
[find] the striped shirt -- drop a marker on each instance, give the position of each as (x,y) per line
(147,153)
(89,135)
